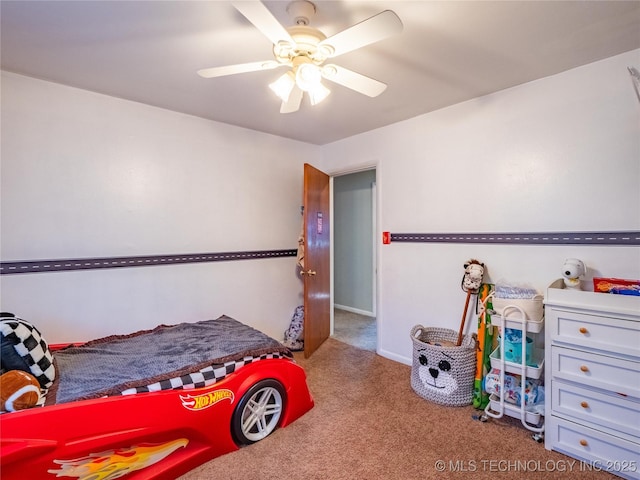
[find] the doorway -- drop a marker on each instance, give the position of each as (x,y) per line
(355,258)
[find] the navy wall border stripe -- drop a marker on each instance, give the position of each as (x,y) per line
(39,266)
(627,238)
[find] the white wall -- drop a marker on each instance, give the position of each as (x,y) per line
(558,154)
(87,175)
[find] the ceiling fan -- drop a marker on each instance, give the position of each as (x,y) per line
(305,49)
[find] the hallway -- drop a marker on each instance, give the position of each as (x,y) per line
(354,329)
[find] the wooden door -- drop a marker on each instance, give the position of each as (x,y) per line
(316,272)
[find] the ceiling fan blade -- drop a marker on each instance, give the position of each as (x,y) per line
(240,68)
(368,31)
(293,104)
(263,20)
(353,80)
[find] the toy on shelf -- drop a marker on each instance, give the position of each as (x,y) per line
(572,270)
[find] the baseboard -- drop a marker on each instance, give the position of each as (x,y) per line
(353,310)
(394,356)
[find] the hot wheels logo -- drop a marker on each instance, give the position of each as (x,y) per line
(205,400)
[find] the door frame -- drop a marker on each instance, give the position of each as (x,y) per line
(377,234)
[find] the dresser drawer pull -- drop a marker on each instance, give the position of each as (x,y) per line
(584,443)
(584,368)
(583,330)
(584,404)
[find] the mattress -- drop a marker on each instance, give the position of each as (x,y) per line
(181,356)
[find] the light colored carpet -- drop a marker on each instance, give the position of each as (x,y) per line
(355,330)
(368,424)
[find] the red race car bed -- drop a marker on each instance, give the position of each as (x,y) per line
(152,405)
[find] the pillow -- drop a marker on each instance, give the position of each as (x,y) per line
(23,348)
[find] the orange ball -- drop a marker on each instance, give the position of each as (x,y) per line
(18,390)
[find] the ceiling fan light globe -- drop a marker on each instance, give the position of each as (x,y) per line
(318,94)
(282,86)
(308,76)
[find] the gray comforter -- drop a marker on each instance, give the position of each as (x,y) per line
(112,364)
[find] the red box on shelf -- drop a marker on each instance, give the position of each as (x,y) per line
(619,286)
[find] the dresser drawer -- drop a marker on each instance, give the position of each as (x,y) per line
(595,408)
(593,331)
(599,450)
(618,376)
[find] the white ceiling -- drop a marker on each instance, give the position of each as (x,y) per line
(448,52)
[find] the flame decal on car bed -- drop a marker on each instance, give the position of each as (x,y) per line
(205,400)
(113,464)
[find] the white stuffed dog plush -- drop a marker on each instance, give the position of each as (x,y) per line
(572,270)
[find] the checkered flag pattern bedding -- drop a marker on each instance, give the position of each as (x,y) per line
(202,378)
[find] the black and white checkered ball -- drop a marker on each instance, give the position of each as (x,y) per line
(23,348)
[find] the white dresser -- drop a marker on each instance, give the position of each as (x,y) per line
(592,378)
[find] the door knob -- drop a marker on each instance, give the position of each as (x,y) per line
(308,272)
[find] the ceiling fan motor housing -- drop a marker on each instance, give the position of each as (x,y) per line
(307,39)
(307,43)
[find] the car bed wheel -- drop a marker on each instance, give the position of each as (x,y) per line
(258,412)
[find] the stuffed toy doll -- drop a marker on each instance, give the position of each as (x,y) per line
(472,279)
(572,270)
